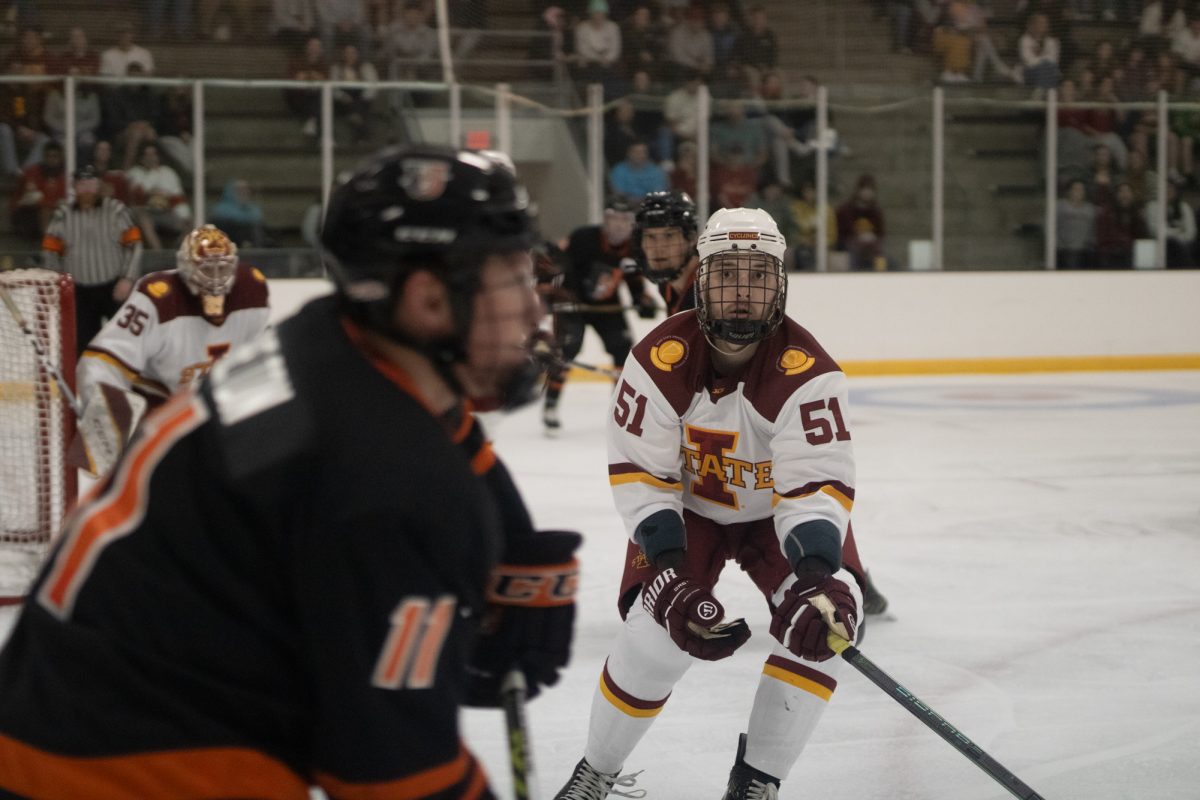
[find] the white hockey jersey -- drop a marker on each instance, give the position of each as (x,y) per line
(769,441)
(160,340)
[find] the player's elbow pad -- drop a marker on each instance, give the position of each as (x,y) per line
(818,538)
(660,532)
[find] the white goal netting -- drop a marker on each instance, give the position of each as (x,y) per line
(36,422)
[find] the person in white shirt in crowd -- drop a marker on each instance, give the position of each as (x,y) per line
(157,196)
(597,45)
(115,60)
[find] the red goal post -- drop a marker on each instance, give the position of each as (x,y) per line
(36,424)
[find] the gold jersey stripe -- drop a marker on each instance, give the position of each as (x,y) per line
(624,707)
(842,499)
(799,681)
(643,477)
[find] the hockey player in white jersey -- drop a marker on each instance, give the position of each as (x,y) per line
(728,440)
(168,333)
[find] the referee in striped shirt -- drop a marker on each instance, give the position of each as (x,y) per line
(95,240)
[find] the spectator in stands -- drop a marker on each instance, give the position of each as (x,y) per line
(21,135)
(771,198)
(790,128)
(685,170)
(952,43)
(155,11)
(680,110)
(87,117)
(690,47)
(306,103)
(1169,75)
(354,104)
(39,190)
(1104,62)
(117,60)
(860,225)
(1104,121)
(158,200)
(642,44)
(637,175)
(1160,21)
(342,22)
(293,21)
(1134,76)
(1076,228)
(1118,225)
(112,179)
(1185,44)
(648,118)
(30,57)
(726,37)
(597,47)
(1039,54)
(220,18)
(1102,177)
(621,130)
(556,46)
(757,47)
(132,113)
(983,46)
(239,216)
(410,45)
(737,140)
(1141,179)
(78,58)
(1181,227)
(175,128)
(806,214)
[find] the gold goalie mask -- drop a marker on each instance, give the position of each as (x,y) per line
(207,262)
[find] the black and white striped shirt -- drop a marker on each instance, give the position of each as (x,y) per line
(95,246)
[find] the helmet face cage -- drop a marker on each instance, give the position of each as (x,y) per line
(660,255)
(740,295)
(207,261)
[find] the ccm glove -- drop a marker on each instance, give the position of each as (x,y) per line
(812,606)
(530,616)
(693,617)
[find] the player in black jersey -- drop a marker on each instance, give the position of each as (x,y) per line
(296,575)
(664,244)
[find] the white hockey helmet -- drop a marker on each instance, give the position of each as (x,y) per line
(741,287)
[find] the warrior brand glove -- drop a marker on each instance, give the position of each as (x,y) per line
(690,613)
(812,606)
(530,616)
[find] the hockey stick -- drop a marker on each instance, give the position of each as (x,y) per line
(520,759)
(607,372)
(932,719)
(584,308)
(43,356)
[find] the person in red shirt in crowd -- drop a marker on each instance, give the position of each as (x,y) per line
(78,58)
(38,192)
(860,226)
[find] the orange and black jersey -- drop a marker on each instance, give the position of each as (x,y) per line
(278,586)
(593,267)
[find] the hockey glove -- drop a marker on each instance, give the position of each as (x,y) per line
(693,617)
(646,307)
(530,616)
(812,606)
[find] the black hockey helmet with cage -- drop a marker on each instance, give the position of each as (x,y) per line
(672,209)
(420,207)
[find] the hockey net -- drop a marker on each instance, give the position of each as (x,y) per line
(36,423)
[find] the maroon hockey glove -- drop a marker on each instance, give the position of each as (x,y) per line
(693,617)
(530,616)
(812,606)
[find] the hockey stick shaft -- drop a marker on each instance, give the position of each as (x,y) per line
(583,308)
(608,372)
(520,759)
(39,348)
(934,721)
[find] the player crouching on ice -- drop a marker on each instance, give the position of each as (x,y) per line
(728,440)
(168,333)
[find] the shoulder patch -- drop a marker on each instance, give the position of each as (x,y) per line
(257,275)
(669,353)
(158,289)
(795,360)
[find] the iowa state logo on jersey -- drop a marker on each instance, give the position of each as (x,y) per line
(707,457)
(794,360)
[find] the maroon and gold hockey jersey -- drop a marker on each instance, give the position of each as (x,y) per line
(277,586)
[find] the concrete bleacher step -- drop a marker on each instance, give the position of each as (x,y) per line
(1000,251)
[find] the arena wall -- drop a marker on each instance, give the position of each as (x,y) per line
(913,323)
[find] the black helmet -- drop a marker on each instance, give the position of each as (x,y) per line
(663,210)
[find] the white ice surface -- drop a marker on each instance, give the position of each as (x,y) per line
(1038,538)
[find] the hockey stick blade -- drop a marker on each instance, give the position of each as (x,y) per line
(934,721)
(512,695)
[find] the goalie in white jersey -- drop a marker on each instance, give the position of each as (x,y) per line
(728,440)
(168,333)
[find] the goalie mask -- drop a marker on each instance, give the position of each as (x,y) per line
(741,287)
(207,262)
(425,207)
(664,235)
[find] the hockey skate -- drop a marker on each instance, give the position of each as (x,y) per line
(748,783)
(873,601)
(587,783)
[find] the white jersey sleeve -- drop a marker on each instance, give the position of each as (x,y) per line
(644,460)
(124,347)
(813,465)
